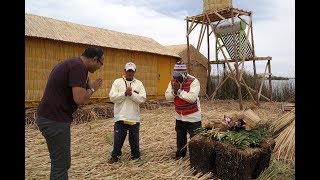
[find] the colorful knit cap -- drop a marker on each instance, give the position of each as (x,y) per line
(180,66)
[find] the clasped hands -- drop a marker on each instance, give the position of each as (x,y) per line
(176,86)
(128,91)
(96,84)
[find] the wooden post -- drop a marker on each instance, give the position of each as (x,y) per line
(188,49)
(224,69)
(236,59)
(262,81)
(218,80)
(209,65)
(254,64)
(270,84)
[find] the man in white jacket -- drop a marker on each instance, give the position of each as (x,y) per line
(126,93)
(184,90)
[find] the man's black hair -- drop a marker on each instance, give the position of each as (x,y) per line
(93,51)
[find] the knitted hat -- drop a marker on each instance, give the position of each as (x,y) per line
(180,66)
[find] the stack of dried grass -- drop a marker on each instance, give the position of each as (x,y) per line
(284,133)
(92,112)
(155,104)
(83,114)
(30,116)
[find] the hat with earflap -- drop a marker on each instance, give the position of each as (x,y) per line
(179,71)
(180,66)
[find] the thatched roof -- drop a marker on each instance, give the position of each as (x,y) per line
(182,48)
(48,28)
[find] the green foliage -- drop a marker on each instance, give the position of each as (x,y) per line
(243,138)
(240,138)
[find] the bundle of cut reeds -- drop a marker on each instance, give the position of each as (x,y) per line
(284,133)
(285,144)
(280,124)
(250,118)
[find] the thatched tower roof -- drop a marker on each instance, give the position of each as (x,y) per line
(48,28)
(182,50)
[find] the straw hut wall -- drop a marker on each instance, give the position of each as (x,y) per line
(216,5)
(198,61)
(48,41)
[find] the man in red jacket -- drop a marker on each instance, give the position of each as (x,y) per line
(184,90)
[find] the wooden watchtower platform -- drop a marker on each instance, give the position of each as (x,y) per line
(233,33)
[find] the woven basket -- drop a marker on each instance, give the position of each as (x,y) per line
(213,5)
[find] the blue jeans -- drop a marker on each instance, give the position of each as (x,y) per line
(182,128)
(119,135)
(57,135)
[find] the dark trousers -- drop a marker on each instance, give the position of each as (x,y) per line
(182,128)
(57,135)
(119,136)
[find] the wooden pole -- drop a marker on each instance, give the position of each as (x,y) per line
(262,81)
(270,84)
(200,36)
(254,64)
(188,49)
(245,53)
(209,65)
(224,69)
(218,87)
(247,87)
(236,59)
(244,84)
(260,95)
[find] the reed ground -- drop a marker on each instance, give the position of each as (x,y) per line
(91,144)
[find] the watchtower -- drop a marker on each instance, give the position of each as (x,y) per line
(233,32)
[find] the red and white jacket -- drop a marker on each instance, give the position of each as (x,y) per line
(187,103)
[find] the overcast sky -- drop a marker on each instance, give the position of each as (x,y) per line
(164,21)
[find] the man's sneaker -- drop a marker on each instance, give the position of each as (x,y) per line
(113,160)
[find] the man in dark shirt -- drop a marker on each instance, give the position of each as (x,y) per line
(66,89)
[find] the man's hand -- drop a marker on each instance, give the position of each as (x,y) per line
(175,87)
(128,91)
(96,84)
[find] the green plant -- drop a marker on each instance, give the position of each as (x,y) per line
(241,138)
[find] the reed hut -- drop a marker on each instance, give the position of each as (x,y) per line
(198,62)
(48,41)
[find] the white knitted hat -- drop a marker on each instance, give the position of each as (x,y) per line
(180,66)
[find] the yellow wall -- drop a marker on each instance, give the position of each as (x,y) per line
(42,55)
